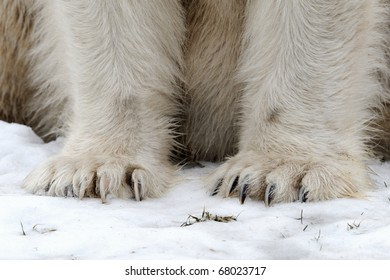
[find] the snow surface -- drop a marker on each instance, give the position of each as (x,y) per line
(69,228)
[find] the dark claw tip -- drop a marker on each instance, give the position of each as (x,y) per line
(234,185)
(217,187)
(269,194)
(139,188)
(303,195)
(243,192)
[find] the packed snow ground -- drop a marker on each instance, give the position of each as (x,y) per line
(69,228)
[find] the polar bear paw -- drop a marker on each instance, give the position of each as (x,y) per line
(283,179)
(97,177)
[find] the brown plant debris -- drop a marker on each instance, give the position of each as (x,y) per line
(207,216)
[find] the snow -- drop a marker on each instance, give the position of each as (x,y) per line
(69,228)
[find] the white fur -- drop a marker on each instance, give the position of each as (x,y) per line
(115,64)
(309,70)
(288,89)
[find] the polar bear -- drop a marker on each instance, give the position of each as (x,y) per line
(286,91)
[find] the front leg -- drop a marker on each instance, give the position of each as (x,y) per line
(308,70)
(123,59)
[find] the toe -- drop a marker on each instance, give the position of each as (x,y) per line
(233,185)
(138,178)
(269,194)
(303,193)
(243,192)
(217,187)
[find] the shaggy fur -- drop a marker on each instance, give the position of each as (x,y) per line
(15,32)
(309,72)
(288,89)
(212,96)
